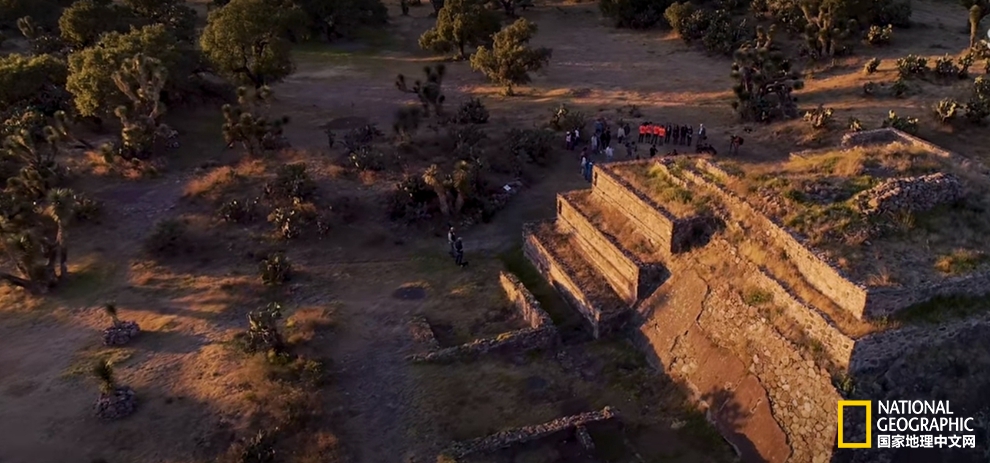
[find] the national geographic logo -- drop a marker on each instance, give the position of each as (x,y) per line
(906,424)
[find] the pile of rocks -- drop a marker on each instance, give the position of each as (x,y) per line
(911,194)
(120,403)
(824,192)
(120,333)
(517,341)
(504,439)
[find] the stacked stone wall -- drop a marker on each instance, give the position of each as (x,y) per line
(652,220)
(540,333)
(821,275)
(559,277)
(802,397)
(524,301)
(512,437)
(631,278)
(876,351)
(837,345)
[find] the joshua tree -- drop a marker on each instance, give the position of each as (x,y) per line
(246,125)
(263,331)
(827,27)
(463,184)
(115,401)
(764,84)
(430,93)
(103,372)
(141,79)
(119,332)
(434,178)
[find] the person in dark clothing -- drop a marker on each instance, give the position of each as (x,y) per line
(689,135)
(667,133)
(459,256)
(606,138)
(451,240)
(673,136)
(653,151)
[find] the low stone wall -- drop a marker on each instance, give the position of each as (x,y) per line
(827,279)
(653,221)
(505,439)
(837,345)
(910,194)
(875,351)
(524,301)
(523,340)
(558,275)
(631,278)
(883,301)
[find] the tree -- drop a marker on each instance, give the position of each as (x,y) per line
(245,41)
(91,69)
(245,124)
(764,84)
(33,81)
(33,238)
(435,179)
(175,15)
(511,59)
(141,79)
(460,24)
(978,9)
(634,14)
(430,93)
(828,25)
(82,24)
(46,12)
(341,18)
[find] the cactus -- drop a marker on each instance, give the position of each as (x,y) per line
(764,84)
(430,93)
(945,67)
(246,125)
(880,35)
(946,110)
(819,117)
(826,30)
(906,124)
(871,66)
(141,80)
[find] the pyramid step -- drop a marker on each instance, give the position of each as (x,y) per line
(557,256)
(630,277)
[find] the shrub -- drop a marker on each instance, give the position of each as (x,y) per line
(757,297)
(677,14)
(563,119)
(977,111)
(871,66)
(944,67)
(906,124)
(87,209)
(870,88)
(294,221)
(855,125)
(911,66)
(880,35)
(946,110)
(530,145)
(291,182)
(370,159)
(899,88)
(169,237)
(239,211)
(276,269)
(472,111)
(819,117)
(408,200)
(634,14)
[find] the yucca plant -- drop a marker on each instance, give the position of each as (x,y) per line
(111,310)
(103,372)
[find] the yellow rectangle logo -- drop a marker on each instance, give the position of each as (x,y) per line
(869,424)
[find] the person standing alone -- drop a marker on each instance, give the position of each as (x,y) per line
(451,239)
(459,256)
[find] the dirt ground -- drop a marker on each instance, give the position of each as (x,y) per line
(198,395)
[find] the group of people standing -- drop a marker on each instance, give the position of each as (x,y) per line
(456,247)
(670,134)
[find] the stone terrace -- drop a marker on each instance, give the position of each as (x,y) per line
(758,325)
